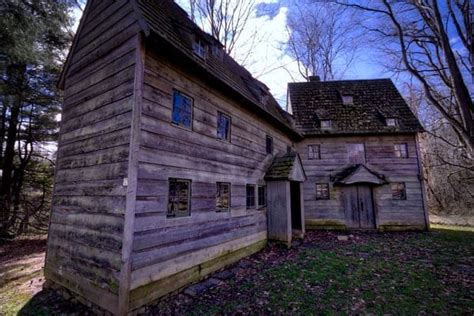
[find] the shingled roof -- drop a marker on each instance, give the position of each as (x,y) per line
(167,20)
(286,167)
(374,101)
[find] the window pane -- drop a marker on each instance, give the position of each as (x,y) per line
(223,197)
(391,122)
(326,124)
(179,198)
(250,196)
(182,109)
(356,153)
(223,126)
(401,150)
(269,145)
(399,191)
(322,191)
(262,195)
(314,152)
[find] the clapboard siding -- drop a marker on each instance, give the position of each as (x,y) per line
(381,158)
(168,151)
(88,207)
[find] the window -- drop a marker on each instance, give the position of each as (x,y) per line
(223,197)
(314,152)
(250,195)
(399,191)
(326,124)
(391,122)
(269,145)
(179,198)
(401,150)
(223,126)
(182,109)
(322,191)
(200,49)
(356,153)
(347,99)
(262,196)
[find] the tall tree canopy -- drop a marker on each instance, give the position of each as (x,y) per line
(323,38)
(34,36)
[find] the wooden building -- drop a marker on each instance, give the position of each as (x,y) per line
(173,161)
(360,154)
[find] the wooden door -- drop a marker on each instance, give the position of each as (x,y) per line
(359,207)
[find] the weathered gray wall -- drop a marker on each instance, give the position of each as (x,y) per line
(86,226)
(381,158)
(165,246)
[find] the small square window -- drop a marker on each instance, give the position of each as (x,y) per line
(179,198)
(399,191)
(223,197)
(269,143)
(314,152)
(182,113)
(347,99)
(322,191)
(391,122)
(200,48)
(401,150)
(250,193)
(223,126)
(262,196)
(356,153)
(326,124)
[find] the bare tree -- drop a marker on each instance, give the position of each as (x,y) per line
(432,44)
(226,21)
(322,38)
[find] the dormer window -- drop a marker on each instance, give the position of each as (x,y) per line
(217,51)
(326,124)
(391,122)
(200,48)
(347,99)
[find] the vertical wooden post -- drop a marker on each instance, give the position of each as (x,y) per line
(129,220)
(422,183)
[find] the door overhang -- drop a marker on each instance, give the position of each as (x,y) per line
(358,174)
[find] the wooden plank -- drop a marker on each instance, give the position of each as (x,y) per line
(167,268)
(129,224)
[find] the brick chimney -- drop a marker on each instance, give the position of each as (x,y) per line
(314,78)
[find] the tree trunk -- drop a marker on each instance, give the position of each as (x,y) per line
(16,80)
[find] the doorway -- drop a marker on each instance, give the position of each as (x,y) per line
(295,197)
(359,207)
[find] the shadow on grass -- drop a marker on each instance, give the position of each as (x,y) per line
(49,302)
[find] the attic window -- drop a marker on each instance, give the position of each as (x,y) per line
(347,99)
(391,122)
(326,124)
(200,48)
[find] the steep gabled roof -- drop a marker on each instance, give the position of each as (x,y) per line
(166,19)
(374,101)
(170,23)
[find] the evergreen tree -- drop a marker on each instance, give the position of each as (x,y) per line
(34,36)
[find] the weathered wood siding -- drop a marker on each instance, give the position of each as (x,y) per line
(165,246)
(380,157)
(86,226)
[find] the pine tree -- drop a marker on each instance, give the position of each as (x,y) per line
(34,36)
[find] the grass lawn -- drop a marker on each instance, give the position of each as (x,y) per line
(395,273)
(380,273)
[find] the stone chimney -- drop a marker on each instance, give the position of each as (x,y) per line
(314,79)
